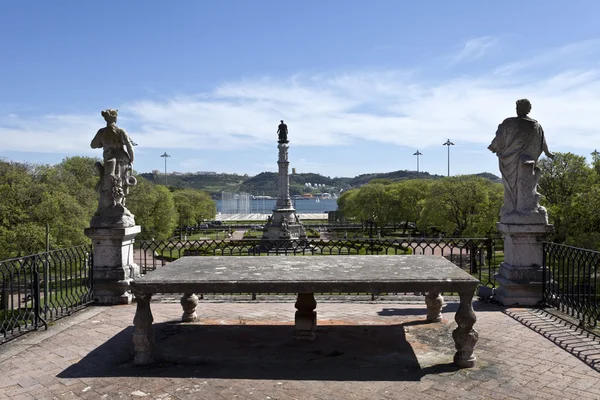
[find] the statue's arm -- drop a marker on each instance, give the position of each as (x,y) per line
(128,145)
(96,142)
(545,145)
(496,144)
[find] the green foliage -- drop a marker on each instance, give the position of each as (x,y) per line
(571,189)
(193,206)
(31,197)
(154,209)
(462,206)
(63,197)
(465,205)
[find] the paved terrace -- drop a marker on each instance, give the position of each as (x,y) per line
(244,350)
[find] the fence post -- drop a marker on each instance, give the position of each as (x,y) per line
(36,291)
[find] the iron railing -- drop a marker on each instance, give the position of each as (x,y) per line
(44,287)
(475,255)
(571,282)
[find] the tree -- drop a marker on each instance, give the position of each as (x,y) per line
(462,205)
(562,179)
(193,206)
(408,199)
(154,209)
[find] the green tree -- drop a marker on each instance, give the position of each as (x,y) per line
(562,179)
(461,206)
(193,206)
(408,199)
(154,209)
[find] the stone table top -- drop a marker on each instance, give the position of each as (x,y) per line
(307,274)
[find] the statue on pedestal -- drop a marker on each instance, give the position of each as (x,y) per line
(519,142)
(115,174)
(282,131)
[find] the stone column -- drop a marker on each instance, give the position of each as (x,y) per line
(520,275)
(113,268)
(283,199)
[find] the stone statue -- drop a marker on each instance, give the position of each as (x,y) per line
(282,131)
(519,142)
(115,174)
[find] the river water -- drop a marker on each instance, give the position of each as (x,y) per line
(264,206)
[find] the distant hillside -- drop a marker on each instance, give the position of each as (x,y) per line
(266,182)
(213,184)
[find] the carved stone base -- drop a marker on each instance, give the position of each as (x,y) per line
(519,285)
(113,266)
(434,302)
(113,217)
(189,301)
(306,318)
(520,276)
(277,230)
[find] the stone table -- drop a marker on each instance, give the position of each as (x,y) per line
(306,275)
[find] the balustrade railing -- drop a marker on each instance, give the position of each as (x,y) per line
(571,282)
(40,288)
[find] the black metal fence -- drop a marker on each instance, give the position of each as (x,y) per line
(571,282)
(477,256)
(40,288)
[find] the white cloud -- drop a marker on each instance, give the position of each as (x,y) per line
(393,106)
(474,48)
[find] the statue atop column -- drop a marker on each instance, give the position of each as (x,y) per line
(115,174)
(282,131)
(519,142)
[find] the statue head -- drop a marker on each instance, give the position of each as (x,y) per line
(282,121)
(523,107)
(110,115)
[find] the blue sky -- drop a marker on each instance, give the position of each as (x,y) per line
(361,84)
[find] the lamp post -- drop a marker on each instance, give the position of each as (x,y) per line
(448,143)
(165,156)
(418,153)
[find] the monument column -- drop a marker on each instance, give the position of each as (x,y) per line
(283,196)
(519,142)
(112,228)
(283,226)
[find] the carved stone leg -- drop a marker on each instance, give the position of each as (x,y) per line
(143,336)
(465,337)
(189,301)
(306,317)
(434,302)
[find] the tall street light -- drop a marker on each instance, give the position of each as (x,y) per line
(418,153)
(165,156)
(448,143)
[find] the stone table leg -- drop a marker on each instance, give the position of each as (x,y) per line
(465,337)
(189,301)
(306,317)
(434,302)
(143,336)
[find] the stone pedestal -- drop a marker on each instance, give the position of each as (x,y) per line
(113,267)
(520,276)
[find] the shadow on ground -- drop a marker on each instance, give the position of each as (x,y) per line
(579,342)
(340,353)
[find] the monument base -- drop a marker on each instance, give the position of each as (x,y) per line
(520,276)
(113,268)
(283,225)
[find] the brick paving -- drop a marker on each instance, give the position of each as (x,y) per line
(244,350)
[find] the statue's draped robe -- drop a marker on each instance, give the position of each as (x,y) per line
(518,140)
